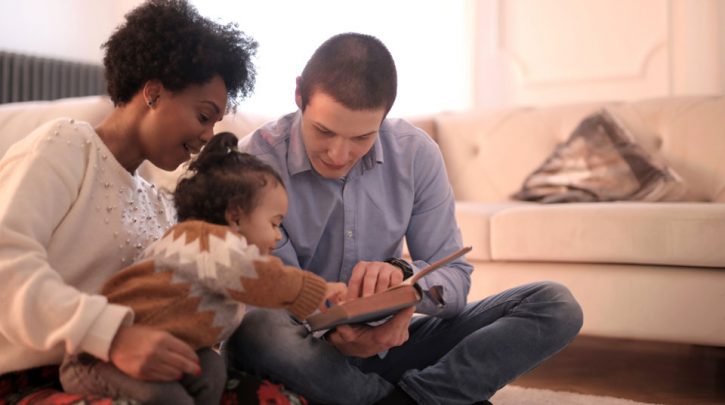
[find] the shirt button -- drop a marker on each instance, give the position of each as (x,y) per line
(348,234)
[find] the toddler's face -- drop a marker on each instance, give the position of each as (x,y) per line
(262,226)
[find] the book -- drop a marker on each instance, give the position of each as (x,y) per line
(381,305)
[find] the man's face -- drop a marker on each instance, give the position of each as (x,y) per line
(336,137)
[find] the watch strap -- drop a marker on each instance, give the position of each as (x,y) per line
(404,266)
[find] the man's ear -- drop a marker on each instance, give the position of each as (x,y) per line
(298,94)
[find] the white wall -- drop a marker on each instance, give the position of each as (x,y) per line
(430,41)
(451,54)
(71,29)
(565,51)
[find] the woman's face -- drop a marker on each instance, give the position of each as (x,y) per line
(180,123)
(261,227)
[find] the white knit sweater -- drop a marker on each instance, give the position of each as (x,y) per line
(70,217)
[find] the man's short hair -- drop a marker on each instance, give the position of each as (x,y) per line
(355,69)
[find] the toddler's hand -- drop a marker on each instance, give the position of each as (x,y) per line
(335,292)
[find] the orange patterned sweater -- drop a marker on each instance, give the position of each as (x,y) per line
(195,280)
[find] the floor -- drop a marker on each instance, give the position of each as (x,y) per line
(654,372)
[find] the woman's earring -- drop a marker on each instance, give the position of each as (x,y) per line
(152,102)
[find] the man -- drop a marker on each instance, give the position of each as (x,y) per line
(358,185)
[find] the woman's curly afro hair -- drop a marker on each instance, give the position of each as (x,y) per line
(167,40)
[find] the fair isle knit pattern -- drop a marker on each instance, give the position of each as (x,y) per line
(195,280)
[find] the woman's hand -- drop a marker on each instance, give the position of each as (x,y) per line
(150,354)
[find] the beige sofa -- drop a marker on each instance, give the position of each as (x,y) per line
(640,270)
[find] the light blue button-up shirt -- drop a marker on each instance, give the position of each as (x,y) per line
(398,190)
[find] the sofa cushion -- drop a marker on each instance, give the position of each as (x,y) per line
(687,234)
(474,221)
(240,123)
(489,153)
(601,161)
(19,119)
(693,133)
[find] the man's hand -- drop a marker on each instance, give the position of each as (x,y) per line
(149,354)
(367,279)
(365,341)
(372,277)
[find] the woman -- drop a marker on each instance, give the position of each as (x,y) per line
(74,211)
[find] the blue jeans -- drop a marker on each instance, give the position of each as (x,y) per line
(457,360)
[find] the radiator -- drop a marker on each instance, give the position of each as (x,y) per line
(27,78)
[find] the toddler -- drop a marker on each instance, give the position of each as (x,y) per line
(195,281)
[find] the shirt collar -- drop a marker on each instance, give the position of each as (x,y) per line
(297,160)
(375,155)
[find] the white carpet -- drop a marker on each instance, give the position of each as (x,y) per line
(513,395)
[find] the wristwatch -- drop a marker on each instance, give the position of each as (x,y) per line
(402,265)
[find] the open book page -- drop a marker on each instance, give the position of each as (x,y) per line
(381,305)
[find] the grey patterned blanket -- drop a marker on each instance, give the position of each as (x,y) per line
(601,162)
